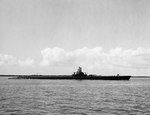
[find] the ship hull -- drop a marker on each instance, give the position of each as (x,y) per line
(71,77)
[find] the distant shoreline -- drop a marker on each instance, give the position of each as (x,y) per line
(140,76)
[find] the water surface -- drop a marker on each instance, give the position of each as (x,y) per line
(72,97)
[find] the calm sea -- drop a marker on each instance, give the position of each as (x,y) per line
(70,97)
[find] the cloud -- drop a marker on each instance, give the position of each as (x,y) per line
(7,59)
(97,58)
(136,59)
(57,56)
(11,60)
(89,58)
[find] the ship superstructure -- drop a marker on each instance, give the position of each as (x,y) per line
(79,73)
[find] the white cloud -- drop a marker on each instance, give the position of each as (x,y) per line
(97,58)
(51,56)
(7,59)
(88,58)
(11,60)
(136,59)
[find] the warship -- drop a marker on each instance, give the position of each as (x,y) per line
(79,75)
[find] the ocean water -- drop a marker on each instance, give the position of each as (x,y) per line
(71,97)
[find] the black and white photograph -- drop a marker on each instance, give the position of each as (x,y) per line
(74,57)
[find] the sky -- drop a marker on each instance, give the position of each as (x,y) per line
(56,36)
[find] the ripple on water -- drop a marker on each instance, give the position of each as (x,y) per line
(41,97)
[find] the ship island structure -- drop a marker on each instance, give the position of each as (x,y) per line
(78,75)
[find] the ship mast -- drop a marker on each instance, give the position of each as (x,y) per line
(79,70)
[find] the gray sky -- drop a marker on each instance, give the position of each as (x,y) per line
(57,36)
